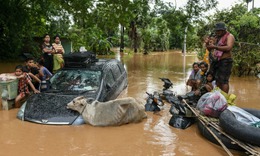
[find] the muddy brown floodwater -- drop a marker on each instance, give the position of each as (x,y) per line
(153,136)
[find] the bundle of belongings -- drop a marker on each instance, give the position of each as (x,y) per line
(214,102)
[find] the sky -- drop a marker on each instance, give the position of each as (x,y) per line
(223,4)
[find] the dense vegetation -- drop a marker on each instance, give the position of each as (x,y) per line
(142,25)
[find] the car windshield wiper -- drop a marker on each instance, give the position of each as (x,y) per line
(74,92)
(53,91)
(85,91)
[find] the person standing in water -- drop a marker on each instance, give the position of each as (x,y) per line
(222,51)
(58,61)
(47,50)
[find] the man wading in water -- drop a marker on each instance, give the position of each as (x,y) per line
(222,53)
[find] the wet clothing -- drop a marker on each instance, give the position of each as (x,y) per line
(23,88)
(223,70)
(48,58)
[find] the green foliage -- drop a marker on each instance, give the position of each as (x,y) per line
(201,53)
(22,21)
(100,45)
(245,59)
(156,36)
(92,38)
(76,35)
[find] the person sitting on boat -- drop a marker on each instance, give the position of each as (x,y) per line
(194,78)
(203,72)
(208,86)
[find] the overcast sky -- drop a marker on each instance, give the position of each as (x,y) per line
(222,4)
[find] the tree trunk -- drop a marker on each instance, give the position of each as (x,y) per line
(133,36)
(122,39)
(135,41)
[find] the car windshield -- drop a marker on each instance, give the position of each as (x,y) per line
(76,80)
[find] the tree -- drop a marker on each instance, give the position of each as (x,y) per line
(21,21)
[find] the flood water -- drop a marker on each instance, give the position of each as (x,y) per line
(153,136)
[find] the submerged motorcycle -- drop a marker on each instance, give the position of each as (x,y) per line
(166,89)
(182,117)
(153,102)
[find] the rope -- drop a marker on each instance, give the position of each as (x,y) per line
(247,43)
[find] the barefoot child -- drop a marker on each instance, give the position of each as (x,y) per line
(23,90)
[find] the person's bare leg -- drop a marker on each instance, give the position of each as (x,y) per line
(17,102)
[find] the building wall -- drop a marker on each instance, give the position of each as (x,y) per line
(67,45)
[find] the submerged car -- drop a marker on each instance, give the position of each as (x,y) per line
(99,79)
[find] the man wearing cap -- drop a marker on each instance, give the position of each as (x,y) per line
(222,51)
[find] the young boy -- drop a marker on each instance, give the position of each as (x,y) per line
(33,71)
(23,90)
(45,74)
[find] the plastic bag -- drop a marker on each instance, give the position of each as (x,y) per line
(181,122)
(229,97)
(212,104)
(244,116)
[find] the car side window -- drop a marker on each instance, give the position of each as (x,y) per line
(121,67)
(109,79)
(116,71)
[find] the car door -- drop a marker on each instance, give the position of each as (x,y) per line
(123,77)
(120,78)
(109,84)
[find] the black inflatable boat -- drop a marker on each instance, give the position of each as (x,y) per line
(239,130)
